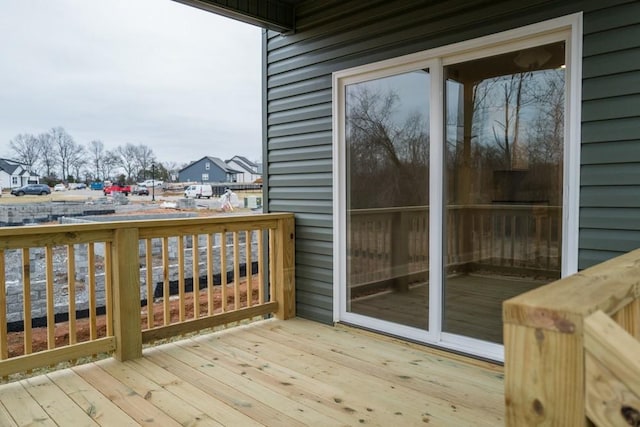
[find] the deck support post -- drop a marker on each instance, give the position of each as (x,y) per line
(546,371)
(284,253)
(544,377)
(126,294)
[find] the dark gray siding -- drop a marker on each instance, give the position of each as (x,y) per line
(610,172)
(336,34)
(193,172)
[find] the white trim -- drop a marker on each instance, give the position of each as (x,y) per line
(436,198)
(573,137)
(567,28)
(339,199)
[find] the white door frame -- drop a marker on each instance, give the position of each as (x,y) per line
(567,29)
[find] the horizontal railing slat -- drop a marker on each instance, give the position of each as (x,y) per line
(194,325)
(56,355)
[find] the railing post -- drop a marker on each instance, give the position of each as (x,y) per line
(284,253)
(400,251)
(544,376)
(126,294)
(544,338)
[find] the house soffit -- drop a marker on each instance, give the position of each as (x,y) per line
(275,15)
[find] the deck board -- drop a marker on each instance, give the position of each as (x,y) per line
(90,400)
(274,373)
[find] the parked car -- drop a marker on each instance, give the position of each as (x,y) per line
(152,183)
(81,186)
(59,187)
(198,191)
(117,188)
(37,189)
(140,190)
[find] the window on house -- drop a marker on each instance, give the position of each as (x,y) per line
(14,180)
(207,166)
(205,177)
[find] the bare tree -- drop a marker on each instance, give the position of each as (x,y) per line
(26,150)
(96,156)
(127,155)
(78,161)
(507,132)
(110,162)
(144,158)
(388,148)
(172,169)
(47,157)
(65,148)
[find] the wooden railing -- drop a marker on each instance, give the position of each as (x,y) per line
(110,287)
(392,243)
(572,355)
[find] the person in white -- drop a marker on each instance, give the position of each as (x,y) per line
(225,200)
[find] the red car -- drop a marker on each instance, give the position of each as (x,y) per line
(113,188)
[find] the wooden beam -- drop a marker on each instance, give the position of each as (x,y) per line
(194,325)
(126,294)
(285,281)
(544,332)
(612,372)
(61,354)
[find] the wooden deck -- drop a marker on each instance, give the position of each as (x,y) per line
(275,373)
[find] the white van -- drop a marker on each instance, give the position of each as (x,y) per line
(198,191)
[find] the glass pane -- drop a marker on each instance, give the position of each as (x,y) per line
(503,183)
(387,140)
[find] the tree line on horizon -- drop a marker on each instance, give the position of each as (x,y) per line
(55,156)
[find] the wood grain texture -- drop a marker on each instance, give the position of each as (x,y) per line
(274,373)
(544,377)
(4,348)
(57,355)
(126,295)
(608,286)
(283,252)
(550,331)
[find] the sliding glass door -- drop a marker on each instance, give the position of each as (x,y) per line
(387,180)
(504,144)
(452,176)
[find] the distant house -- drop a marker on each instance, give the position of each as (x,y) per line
(14,174)
(250,170)
(208,170)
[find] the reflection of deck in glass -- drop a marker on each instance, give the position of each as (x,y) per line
(492,252)
(511,239)
(473,304)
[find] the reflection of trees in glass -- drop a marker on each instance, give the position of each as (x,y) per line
(517,125)
(388,150)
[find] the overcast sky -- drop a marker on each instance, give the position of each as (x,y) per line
(183,81)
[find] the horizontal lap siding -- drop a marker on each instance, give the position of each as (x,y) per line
(334,35)
(610,172)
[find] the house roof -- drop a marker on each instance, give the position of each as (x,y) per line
(244,160)
(9,166)
(240,161)
(242,165)
(216,161)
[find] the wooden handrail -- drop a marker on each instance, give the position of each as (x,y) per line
(612,372)
(544,335)
(125,249)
